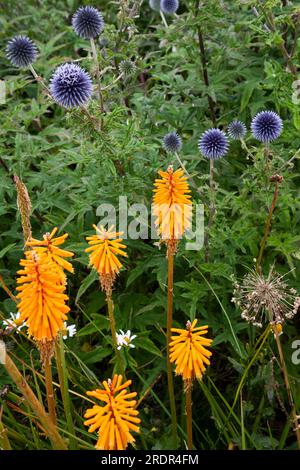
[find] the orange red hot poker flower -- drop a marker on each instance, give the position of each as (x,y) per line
(116,418)
(42,299)
(104,250)
(172,204)
(50,246)
(188,350)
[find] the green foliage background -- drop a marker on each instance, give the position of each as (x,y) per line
(70,169)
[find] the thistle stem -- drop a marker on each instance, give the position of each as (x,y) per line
(40,80)
(186,172)
(112,322)
(50,429)
(189,416)
(288,388)
(50,391)
(96,61)
(164,19)
(268,225)
(169,365)
(64,388)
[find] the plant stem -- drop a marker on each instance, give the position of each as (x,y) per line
(40,80)
(169,365)
(64,388)
(50,429)
(268,223)
(186,172)
(7,290)
(4,441)
(164,19)
(50,391)
(112,322)
(288,387)
(189,416)
(96,61)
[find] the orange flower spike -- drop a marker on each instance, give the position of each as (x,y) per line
(104,250)
(172,204)
(42,300)
(117,418)
(50,246)
(188,350)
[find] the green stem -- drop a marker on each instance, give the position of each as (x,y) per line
(4,441)
(64,388)
(112,322)
(50,391)
(57,441)
(96,61)
(169,365)
(267,227)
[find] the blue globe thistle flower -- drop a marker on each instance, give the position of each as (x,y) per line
(21,51)
(266,126)
(213,144)
(154,4)
(88,22)
(169,6)
(237,130)
(70,86)
(172,142)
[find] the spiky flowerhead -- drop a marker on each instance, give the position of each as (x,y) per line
(172,206)
(213,144)
(116,418)
(154,4)
(21,51)
(88,22)
(104,250)
(169,6)
(237,130)
(50,246)
(265,298)
(266,126)
(42,297)
(172,142)
(127,68)
(71,86)
(188,350)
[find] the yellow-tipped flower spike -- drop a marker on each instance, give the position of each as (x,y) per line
(105,247)
(188,350)
(42,299)
(172,205)
(49,245)
(116,418)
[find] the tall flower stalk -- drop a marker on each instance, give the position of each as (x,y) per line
(105,248)
(188,350)
(172,211)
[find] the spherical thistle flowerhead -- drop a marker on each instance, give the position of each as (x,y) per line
(127,68)
(116,418)
(42,299)
(105,247)
(21,51)
(237,130)
(71,86)
(213,144)
(169,6)
(172,142)
(188,350)
(154,4)
(88,22)
(266,126)
(172,206)
(267,299)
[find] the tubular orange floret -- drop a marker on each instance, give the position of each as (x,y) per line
(105,246)
(172,205)
(117,418)
(50,246)
(188,350)
(42,299)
